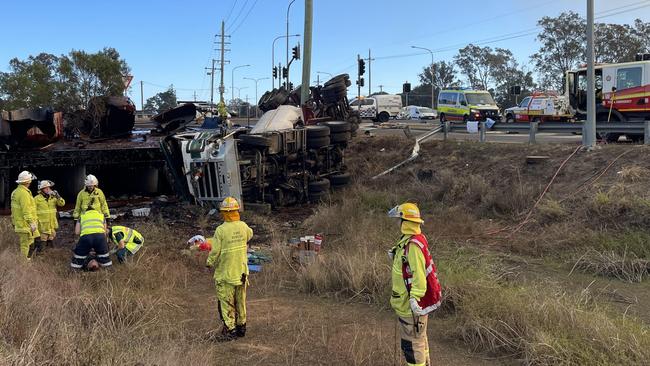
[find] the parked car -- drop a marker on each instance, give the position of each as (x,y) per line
(416,112)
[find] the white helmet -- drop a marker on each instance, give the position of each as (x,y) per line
(91,180)
(44,184)
(25,177)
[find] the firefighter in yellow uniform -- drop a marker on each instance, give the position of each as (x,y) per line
(47,200)
(23,214)
(416,291)
(229,257)
(91,196)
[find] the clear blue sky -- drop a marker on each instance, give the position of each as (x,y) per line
(171,42)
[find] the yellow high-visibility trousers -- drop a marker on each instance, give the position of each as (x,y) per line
(232,304)
(26,240)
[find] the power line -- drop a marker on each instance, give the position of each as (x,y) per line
(245,17)
(241,10)
(231,9)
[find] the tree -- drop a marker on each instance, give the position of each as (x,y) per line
(562,40)
(642,32)
(162,101)
(481,65)
(444,75)
(65,82)
(512,75)
(616,43)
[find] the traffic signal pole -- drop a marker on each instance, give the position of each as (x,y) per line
(589,132)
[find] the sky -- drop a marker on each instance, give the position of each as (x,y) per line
(170,42)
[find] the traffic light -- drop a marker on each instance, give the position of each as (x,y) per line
(290,86)
(515,90)
(406,88)
(360,82)
(362,66)
(296,52)
(275,72)
(284,72)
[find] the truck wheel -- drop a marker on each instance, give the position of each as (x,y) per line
(340,179)
(317,131)
(337,126)
(316,186)
(383,117)
(340,137)
(318,142)
(612,137)
(510,118)
(337,79)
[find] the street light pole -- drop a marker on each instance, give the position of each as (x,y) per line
(273,58)
(287,61)
(256,100)
(432,76)
(589,133)
(232,81)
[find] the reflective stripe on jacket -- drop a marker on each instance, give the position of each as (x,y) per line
(92,222)
(23,209)
(95,199)
(46,212)
(129,238)
(229,255)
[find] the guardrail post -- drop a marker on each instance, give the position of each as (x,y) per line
(481,131)
(445,128)
(646,132)
(532,131)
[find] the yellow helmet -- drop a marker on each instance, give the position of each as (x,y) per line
(229,204)
(406,211)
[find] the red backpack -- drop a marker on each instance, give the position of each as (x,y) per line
(433,295)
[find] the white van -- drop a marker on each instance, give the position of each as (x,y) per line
(379,108)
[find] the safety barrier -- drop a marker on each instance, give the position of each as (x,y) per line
(533,128)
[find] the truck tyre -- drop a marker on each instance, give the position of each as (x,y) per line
(340,137)
(337,79)
(255,140)
(316,186)
(318,142)
(337,126)
(340,179)
(317,197)
(317,131)
(383,117)
(510,118)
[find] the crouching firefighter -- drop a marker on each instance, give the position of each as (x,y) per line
(128,241)
(229,258)
(91,229)
(416,290)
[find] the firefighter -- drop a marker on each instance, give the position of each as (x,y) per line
(91,196)
(229,258)
(415,287)
(47,200)
(128,241)
(23,214)
(91,229)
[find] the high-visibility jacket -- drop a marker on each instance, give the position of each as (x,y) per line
(229,255)
(46,212)
(413,273)
(23,210)
(95,199)
(92,222)
(133,240)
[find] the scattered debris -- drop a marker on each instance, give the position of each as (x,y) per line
(141,212)
(305,250)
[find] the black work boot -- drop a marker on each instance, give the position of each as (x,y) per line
(240,330)
(38,246)
(49,244)
(30,253)
(227,335)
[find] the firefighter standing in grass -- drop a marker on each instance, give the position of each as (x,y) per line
(229,258)
(47,200)
(91,196)
(23,214)
(416,290)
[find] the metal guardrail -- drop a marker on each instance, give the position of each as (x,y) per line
(533,128)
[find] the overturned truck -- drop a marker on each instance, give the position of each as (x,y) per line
(291,155)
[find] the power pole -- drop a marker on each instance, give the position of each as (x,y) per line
(370,60)
(223,50)
(306,63)
(195,95)
(142,97)
(589,133)
(211,73)
(248,112)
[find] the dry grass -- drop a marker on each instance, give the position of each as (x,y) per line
(626,267)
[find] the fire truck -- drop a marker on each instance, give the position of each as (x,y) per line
(622,92)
